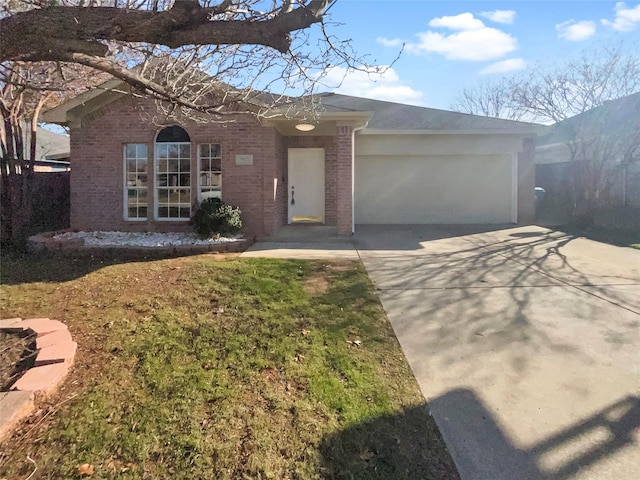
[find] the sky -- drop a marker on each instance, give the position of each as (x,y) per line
(450,45)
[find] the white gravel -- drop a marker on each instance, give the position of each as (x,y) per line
(142,239)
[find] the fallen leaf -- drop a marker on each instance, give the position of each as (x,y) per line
(85,469)
(366,455)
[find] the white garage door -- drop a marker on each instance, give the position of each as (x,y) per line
(433,189)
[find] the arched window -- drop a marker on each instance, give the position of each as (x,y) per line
(173,134)
(173,174)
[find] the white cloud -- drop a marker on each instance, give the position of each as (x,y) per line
(627,19)
(473,41)
(576,31)
(386,86)
(472,45)
(500,16)
(509,65)
(464,21)
(390,42)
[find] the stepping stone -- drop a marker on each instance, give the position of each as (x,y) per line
(59,352)
(14,406)
(9,322)
(42,325)
(42,379)
(53,338)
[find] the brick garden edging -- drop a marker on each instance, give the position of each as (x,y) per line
(56,352)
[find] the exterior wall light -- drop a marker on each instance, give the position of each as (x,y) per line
(305,127)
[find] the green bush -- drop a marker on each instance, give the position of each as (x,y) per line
(213,216)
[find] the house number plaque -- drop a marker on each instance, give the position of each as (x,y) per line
(244,159)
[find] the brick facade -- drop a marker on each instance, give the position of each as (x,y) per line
(260,189)
(344,182)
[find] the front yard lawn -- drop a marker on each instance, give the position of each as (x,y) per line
(216,367)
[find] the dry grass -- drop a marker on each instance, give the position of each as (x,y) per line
(217,367)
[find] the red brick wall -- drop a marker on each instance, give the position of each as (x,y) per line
(97,174)
(344,180)
(281,198)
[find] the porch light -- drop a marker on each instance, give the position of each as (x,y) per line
(305,127)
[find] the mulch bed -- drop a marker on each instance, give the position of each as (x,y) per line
(17,355)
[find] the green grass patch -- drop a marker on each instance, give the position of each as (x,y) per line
(217,367)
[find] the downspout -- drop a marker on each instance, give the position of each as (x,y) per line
(353,174)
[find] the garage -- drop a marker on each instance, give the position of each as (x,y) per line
(432,179)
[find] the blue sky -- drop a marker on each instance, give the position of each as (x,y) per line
(454,44)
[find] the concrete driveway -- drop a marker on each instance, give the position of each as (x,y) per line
(525,343)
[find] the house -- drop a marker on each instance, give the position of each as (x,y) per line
(598,150)
(52,150)
(359,161)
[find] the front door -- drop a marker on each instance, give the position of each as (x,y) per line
(306,185)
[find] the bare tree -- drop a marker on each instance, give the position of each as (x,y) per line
(210,56)
(590,101)
(490,99)
(25,90)
(593,105)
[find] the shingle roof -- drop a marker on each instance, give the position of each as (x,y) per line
(398,116)
(610,118)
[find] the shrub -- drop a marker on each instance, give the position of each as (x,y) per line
(213,216)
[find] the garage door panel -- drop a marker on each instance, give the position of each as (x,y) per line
(433,189)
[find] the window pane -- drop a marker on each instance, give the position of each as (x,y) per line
(133,212)
(142,165)
(184,212)
(216,179)
(163,212)
(163,196)
(173,150)
(173,166)
(141,151)
(185,151)
(161,151)
(142,212)
(215,150)
(130,150)
(142,180)
(185,180)
(185,165)
(216,164)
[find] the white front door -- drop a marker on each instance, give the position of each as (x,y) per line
(306,185)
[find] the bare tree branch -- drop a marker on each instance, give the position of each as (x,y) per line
(55,32)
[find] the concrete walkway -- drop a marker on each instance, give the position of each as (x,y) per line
(307,242)
(524,341)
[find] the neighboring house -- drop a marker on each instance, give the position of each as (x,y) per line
(599,148)
(362,161)
(52,150)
